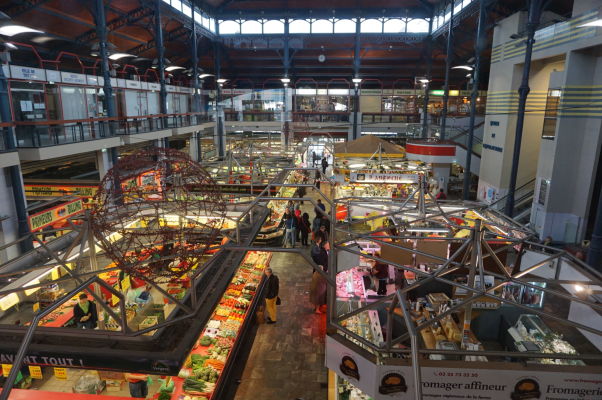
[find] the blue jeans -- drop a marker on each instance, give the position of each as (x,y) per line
(290,235)
(138,389)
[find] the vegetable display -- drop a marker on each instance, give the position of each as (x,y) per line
(202,370)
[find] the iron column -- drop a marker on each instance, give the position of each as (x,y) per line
(594,255)
(287,64)
(535,8)
(479,45)
(196,98)
(448,60)
(356,74)
(427,85)
(160,58)
(218,98)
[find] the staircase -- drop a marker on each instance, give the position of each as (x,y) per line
(523,200)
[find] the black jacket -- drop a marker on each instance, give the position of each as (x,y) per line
(272,287)
(78,313)
(320,256)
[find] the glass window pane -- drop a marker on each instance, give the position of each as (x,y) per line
(251,27)
(167,1)
(229,27)
(458,7)
(273,26)
(447,17)
(372,26)
(299,26)
(186,10)
(321,26)
(176,4)
(395,26)
(198,18)
(344,26)
(418,26)
(466,2)
(212,24)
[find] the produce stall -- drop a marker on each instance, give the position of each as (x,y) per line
(207,366)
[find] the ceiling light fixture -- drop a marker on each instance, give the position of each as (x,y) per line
(203,76)
(466,67)
(173,68)
(118,56)
(423,80)
(12,30)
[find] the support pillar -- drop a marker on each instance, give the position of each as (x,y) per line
(427,85)
(16,180)
(356,72)
(479,45)
(594,255)
(220,134)
(196,97)
(448,60)
(160,60)
(285,139)
(104,161)
(535,9)
(193,146)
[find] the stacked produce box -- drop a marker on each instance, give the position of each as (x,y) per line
(203,369)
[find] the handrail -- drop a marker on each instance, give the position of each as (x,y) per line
(96,119)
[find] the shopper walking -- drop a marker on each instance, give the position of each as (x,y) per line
(84,313)
(314,158)
(324,165)
(441,195)
(290,229)
(271,295)
(320,209)
(380,272)
(138,385)
(304,228)
(317,291)
(317,179)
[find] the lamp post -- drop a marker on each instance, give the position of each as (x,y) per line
(356,104)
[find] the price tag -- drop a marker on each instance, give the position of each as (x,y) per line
(35,372)
(6,369)
(60,373)
(55,274)
(126,283)
(36,307)
(114,299)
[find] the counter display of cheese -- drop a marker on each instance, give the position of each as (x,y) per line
(203,372)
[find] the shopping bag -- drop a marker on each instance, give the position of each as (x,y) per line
(278,301)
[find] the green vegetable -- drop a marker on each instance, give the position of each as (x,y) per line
(193,385)
(206,341)
(164,396)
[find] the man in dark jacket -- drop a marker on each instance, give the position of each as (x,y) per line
(271,294)
(319,254)
(84,313)
(380,271)
(320,209)
(324,165)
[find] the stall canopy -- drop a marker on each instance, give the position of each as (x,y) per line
(368,145)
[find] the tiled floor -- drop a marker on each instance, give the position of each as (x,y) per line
(287,358)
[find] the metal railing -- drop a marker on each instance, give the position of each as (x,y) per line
(253,116)
(4,132)
(315,116)
(523,198)
(390,117)
(51,133)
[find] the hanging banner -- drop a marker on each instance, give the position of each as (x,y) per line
(35,372)
(59,213)
(33,190)
(386,382)
(382,177)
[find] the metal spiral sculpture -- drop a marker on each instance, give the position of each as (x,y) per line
(158,214)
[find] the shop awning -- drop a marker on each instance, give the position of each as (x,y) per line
(366,146)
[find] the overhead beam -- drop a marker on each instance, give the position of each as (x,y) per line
(412,12)
(127,19)
(168,37)
(23,7)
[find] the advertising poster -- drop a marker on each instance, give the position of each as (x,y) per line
(351,366)
(382,177)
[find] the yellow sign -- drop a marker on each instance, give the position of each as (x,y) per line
(35,372)
(60,373)
(55,214)
(125,283)
(114,299)
(58,191)
(36,307)
(6,369)
(8,301)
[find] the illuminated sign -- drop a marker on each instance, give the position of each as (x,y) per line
(61,212)
(32,190)
(382,177)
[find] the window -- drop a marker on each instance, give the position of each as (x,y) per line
(251,27)
(372,26)
(198,18)
(458,7)
(394,26)
(176,4)
(418,26)
(321,26)
(186,10)
(465,3)
(299,26)
(344,26)
(229,27)
(551,114)
(211,25)
(273,26)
